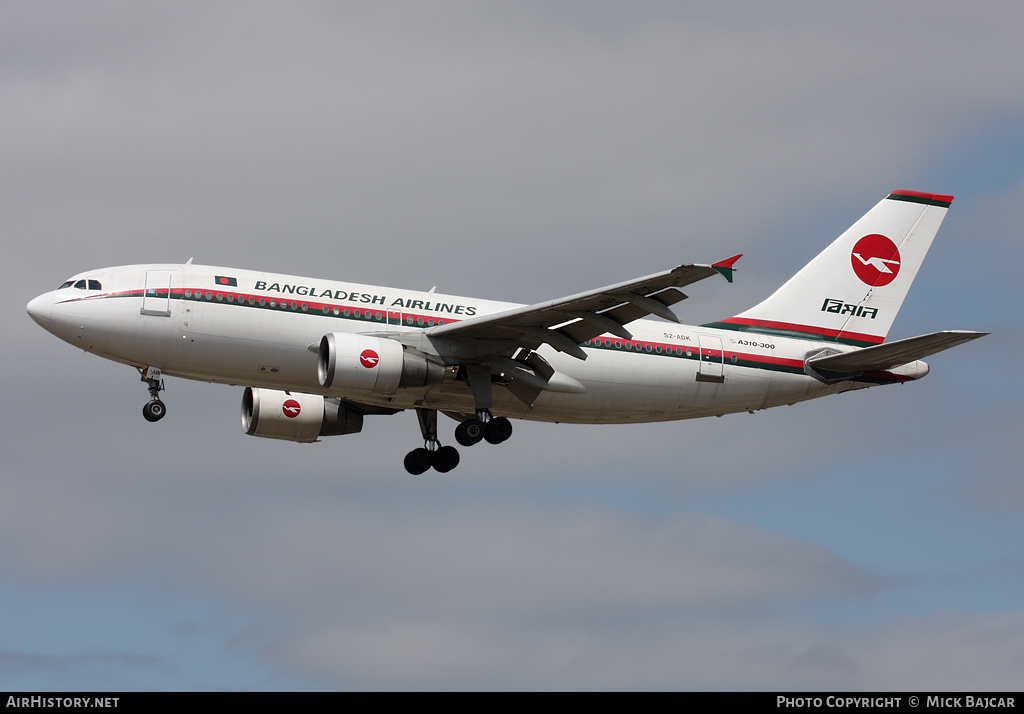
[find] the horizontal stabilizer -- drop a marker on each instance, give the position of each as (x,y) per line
(893,354)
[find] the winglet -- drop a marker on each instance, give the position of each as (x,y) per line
(725,266)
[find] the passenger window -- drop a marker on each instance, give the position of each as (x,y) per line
(95,285)
(80,285)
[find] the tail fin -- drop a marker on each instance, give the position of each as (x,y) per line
(852,291)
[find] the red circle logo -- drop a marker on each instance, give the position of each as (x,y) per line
(291,408)
(369,359)
(876,260)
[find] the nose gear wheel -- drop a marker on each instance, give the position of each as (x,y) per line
(154,410)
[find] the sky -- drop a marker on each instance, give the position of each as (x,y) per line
(513,151)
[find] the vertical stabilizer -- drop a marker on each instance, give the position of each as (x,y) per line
(853,289)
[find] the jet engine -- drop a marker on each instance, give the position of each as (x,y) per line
(294,416)
(349,362)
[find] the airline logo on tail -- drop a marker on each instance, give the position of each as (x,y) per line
(876,260)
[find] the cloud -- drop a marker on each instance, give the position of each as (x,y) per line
(519,153)
(401,132)
(78,672)
(505,594)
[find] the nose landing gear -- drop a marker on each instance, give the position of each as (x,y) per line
(154,410)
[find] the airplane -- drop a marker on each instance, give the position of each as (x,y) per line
(317,356)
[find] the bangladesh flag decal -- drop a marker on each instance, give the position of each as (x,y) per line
(221,280)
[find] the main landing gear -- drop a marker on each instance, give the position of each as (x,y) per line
(484,426)
(154,409)
(441,458)
(445,458)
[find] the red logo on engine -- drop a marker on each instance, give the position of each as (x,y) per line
(876,260)
(291,408)
(369,359)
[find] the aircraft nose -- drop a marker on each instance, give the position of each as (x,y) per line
(40,310)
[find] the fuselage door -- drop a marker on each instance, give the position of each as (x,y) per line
(156,300)
(712,359)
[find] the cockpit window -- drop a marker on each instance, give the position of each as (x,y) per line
(84,284)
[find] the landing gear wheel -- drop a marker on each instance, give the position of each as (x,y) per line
(469,432)
(417,461)
(441,458)
(497,430)
(154,410)
(445,459)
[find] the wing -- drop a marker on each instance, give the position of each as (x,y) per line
(569,321)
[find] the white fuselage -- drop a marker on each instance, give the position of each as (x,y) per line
(262,330)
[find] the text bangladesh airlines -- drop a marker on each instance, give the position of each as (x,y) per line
(317,356)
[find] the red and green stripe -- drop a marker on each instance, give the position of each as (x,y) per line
(928,199)
(800,332)
(615,344)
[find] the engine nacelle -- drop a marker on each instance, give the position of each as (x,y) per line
(349,362)
(295,416)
